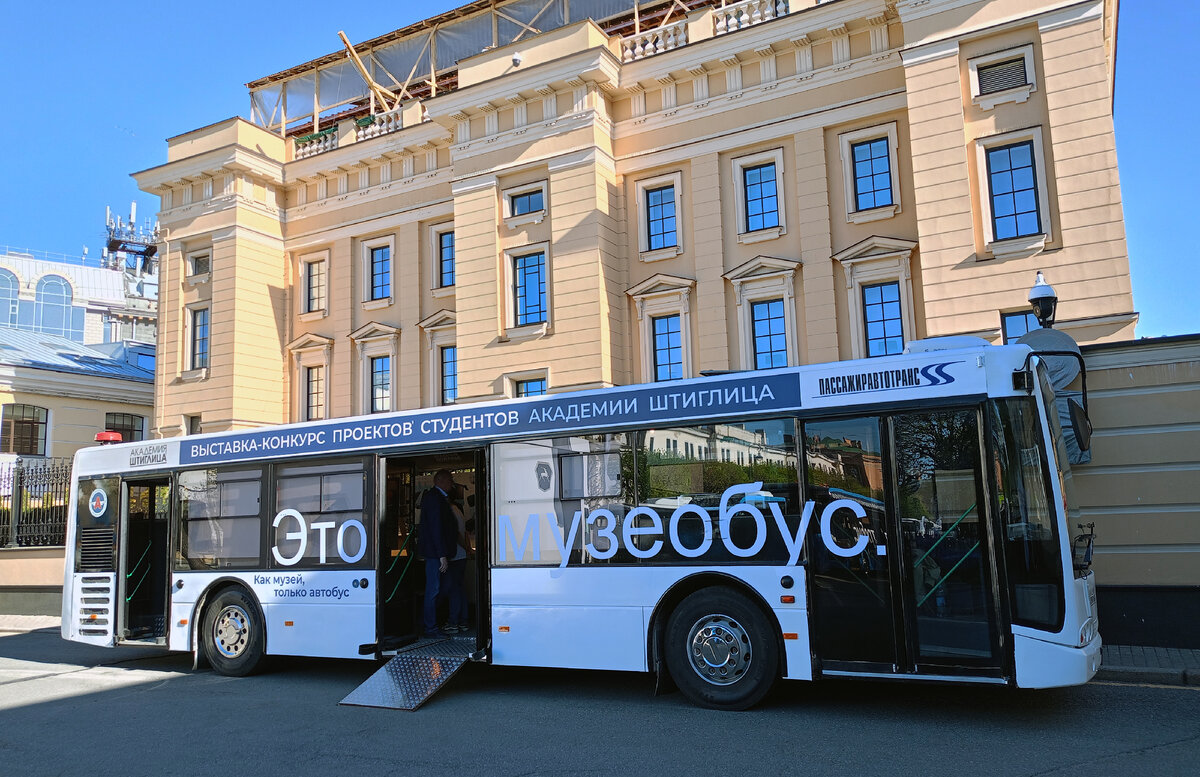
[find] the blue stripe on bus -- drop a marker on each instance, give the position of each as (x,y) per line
(661,403)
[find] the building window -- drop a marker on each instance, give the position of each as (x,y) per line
(23,430)
(449,372)
(527,202)
(759,179)
(130,426)
(524,204)
(770,334)
(54,311)
(9,294)
(381,272)
(1013,199)
(668,348)
(535,387)
(1016,324)
(199,264)
(445,259)
(314,393)
(869,176)
(872,174)
(1004,76)
(314,286)
(529,288)
(1012,182)
(191,424)
(381,384)
(199,338)
(660,218)
(659,209)
(762,201)
(881,316)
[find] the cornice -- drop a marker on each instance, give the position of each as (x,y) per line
(53,383)
(374,151)
(759,93)
(594,66)
(210,164)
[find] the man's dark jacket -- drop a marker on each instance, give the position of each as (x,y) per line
(438,536)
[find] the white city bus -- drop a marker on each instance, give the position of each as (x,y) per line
(903,517)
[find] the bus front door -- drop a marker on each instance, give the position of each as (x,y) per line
(144,559)
(902,573)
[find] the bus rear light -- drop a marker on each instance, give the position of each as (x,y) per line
(787,599)
(92,617)
(183,621)
(502,629)
(790,635)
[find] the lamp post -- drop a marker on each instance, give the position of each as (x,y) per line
(1043,300)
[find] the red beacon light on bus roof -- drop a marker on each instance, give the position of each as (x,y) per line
(108,438)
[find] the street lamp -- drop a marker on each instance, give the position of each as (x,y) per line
(1043,300)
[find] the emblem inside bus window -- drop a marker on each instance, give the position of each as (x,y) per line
(98,503)
(544,473)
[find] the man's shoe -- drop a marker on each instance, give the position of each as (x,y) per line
(450,628)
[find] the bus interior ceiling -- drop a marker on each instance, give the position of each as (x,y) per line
(401,567)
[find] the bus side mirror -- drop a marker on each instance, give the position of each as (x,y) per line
(1080,424)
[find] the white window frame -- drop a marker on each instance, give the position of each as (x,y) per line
(388,241)
(1026,245)
(440,330)
(190,371)
(192,277)
(738,164)
(659,296)
(532,217)
(1015,95)
(759,280)
(374,340)
(510,328)
(304,261)
(435,251)
(674,180)
(847,141)
(315,355)
(881,261)
(511,379)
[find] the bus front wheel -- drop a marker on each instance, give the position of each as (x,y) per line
(721,649)
(233,633)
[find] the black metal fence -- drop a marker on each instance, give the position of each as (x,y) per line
(34,495)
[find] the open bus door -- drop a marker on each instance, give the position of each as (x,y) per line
(143,556)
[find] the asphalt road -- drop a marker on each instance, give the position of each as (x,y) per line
(68,709)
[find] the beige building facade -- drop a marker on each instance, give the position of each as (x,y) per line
(599,199)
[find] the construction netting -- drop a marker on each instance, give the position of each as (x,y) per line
(413,65)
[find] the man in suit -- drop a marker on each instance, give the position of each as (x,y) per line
(437,542)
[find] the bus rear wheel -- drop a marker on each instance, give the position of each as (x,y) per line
(721,649)
(233,633)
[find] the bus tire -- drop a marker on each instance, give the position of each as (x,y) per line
(233,633)
(721,649)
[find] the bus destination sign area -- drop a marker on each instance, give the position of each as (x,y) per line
(751,395)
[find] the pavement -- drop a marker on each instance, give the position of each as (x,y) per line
(1121,663)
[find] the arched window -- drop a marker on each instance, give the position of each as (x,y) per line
(55,314)
(9,289)
(23,430)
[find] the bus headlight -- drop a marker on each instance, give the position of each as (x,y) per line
(1087,632)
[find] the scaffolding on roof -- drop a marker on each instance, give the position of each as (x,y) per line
(421,60)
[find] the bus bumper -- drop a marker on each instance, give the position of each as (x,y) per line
(1043,664)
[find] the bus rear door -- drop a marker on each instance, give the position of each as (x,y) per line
(143,561)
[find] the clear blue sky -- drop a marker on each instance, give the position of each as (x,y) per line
(91,91)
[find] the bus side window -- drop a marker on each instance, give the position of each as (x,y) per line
(221,515)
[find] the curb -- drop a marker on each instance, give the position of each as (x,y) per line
(1140,674)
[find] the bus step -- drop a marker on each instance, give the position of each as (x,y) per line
(411,677)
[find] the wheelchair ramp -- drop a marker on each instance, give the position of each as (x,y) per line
(413,675)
